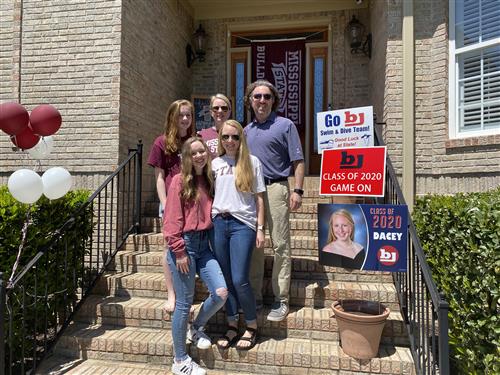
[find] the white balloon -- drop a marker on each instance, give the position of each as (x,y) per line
(56,182)
(25,185)
(43,148)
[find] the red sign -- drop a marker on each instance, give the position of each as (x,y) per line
(353,171)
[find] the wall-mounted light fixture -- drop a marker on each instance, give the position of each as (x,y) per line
(199,38)
(356,32)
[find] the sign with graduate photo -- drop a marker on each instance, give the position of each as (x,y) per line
(367,237)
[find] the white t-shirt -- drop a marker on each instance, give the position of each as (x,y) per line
(228,199)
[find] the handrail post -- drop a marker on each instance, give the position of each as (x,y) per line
(444,344)
(3,291)
(138,187)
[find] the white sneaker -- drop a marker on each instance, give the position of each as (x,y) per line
(199,338)
(187,367)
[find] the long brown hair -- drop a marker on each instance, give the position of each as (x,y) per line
(243,173)
(348,216)
(172,140)
(189,187)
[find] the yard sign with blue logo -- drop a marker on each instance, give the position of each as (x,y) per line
(379,231)
(352,127)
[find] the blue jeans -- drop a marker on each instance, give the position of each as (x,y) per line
(201,262)
(233,246)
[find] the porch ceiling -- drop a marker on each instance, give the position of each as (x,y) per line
(213,9)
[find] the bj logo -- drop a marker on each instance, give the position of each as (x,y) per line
(387,255)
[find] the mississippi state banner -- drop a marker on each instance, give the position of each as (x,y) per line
(283,64)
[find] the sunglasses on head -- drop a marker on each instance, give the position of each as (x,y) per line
(224,108)
(260,96)
(235,137)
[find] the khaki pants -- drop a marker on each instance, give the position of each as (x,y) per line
(277,206)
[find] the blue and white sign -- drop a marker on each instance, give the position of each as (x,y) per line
(352,127)
(368,237)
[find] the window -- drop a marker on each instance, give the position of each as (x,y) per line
(474,68)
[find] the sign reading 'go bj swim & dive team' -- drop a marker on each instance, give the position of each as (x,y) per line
(351,127)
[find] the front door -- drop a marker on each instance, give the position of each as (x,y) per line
(316,84)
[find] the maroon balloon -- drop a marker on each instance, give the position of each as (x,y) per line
(25,140)
(45,120)
(13,118)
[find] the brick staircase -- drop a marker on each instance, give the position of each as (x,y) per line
(121,328)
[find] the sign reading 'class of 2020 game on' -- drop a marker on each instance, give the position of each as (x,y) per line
(352,127)
(353,171)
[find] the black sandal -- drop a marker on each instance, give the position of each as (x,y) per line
(252,339)
(229,341)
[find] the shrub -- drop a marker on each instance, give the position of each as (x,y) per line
(50,289)
(46,217)
(461,238)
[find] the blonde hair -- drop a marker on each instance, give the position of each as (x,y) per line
(348,216)
(221,97)
(189,186)
(172,140)
(243,171)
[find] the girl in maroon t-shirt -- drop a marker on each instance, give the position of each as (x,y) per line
(165,158)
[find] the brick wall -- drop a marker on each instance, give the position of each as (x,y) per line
(9,36)
(351,83)
(441,166)
(153,73)
(378,22)
(111,68)
(70,56)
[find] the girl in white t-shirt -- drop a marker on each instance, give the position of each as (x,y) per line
(238,216)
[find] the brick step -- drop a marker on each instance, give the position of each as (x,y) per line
(299,227)
(269,356)
(58,365)
(300,245)
(301,322)
(317,293)
(306,268)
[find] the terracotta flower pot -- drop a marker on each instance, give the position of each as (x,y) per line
(360,324)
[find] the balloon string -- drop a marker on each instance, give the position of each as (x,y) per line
(38,166)
(21,245)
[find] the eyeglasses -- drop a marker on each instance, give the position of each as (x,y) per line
(235,137)
(224,108)
(260,96)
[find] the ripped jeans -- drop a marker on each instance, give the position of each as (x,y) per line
(202,262)
(233,246)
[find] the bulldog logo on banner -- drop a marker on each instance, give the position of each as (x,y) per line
(283,64)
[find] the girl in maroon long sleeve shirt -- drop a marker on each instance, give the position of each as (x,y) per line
(186,228)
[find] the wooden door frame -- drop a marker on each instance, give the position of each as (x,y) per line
(309,149)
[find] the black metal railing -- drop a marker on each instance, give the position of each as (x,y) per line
(424,309)
(36,306)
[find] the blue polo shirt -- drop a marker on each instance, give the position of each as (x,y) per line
(276,143)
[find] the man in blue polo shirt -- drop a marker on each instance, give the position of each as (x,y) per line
(275,141)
